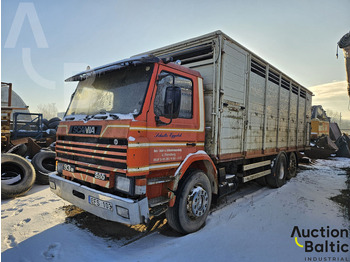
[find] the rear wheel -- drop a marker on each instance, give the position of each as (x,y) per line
(193,200)
(292,166)
(261,181)
(279,172)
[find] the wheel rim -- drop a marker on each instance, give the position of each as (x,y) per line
(197,202)
(281,173)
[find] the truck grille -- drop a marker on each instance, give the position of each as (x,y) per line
(91,155)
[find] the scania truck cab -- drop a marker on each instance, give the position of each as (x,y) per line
(127,129)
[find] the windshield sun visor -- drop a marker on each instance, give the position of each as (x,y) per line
(113,66)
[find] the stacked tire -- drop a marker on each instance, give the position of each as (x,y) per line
(44,163)
(17,175)
(50,126)
(20,150)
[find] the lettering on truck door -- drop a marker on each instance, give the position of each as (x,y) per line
(172,139)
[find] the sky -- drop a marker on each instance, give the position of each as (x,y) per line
(332,98)
(43,42)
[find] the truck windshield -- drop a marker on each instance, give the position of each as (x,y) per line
(121,91)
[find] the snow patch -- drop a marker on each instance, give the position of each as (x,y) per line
(100,116)
(255,219)
(125,116)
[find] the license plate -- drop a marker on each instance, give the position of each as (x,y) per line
(69,168)
(100,203)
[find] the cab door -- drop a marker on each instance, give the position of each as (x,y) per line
(173,118)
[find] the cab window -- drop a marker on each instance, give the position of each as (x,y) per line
(185,84)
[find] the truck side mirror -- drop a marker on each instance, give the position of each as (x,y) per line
(172,102)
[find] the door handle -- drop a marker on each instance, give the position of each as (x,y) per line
(191,144)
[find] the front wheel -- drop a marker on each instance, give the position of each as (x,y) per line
(193,200)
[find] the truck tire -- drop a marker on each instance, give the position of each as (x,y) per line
(261,181)
(17,175)
(292,165)
(20,150)
(279,172)
(44,163)
(192,204)
(45,122)
(53,146)
(54,119)
(53,125)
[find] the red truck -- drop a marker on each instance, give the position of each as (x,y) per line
(145,135)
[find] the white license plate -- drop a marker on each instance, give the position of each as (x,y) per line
(100,203)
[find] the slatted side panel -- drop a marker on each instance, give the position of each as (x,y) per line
(293,119)
(308,103)
(283,119)
(272,114)
(206,69)
(302,125)
(234,68)
(233,86)
(256,105)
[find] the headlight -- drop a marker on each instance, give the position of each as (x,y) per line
(59,167)
(123,183)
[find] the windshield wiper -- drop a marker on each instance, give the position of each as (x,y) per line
(100,116)
(69,118)
(114,116)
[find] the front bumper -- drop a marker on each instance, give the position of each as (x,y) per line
(79,195)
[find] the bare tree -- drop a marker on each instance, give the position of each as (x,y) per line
(344,124)
(48,110)
(334,115)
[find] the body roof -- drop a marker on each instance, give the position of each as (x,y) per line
(205,39)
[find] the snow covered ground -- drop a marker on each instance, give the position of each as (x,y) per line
(255,224)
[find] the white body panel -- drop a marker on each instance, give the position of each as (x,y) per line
(251,107)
